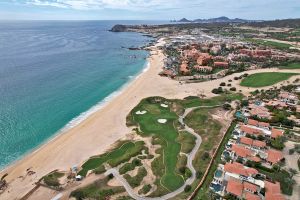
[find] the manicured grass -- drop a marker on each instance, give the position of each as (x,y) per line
(187,141)
(265,79)
(290,66)
(97,190)
(115,157)
(277,45)
(167,135)
(136,180)
(52,179)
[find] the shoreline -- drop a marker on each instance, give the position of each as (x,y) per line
(82,116)
(101,129)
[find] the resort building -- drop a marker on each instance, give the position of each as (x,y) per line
(252,144)
(205,69)
(288,98)
(276,133)
(240,152)
(203,59)
(274,156)
(184,69)
(256,123)
(221,64)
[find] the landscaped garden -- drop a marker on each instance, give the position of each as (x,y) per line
(265,79)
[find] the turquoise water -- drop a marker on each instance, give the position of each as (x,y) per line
(51,72)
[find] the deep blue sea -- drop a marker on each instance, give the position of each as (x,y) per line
(53,71)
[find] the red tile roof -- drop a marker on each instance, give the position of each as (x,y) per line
(274,156)
(253,122)
(263,124)
(238,168)
(221,64)
(235,187)
(251,131)
(255,159)
(273,191)
(241,151)
(258,143)
(276,133)
(250,196)
(250,187)
(246,140)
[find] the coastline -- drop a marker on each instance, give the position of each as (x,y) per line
(95,134)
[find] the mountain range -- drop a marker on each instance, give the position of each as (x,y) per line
(222,19)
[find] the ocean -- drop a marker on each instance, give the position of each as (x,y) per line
(53,74)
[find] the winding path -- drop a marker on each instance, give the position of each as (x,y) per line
(190,158)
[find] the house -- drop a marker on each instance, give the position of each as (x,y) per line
(203,59)
(250,130)
(259,111)
(277,104)
(273,191)
(256,123)
(274,156)
(253,144)
(241,152)
(288,98)
(205,69)
(242,190)
(184,69)
(239,169)
(276,133)
(221,64)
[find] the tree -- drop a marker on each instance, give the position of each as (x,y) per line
(226,106)
(292,172)
(187,188)
(278,143)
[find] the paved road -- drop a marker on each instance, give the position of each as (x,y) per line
(190,158)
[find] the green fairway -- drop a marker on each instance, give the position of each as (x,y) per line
(277,45)
(166,133)
(290,66)
(115,157)
(265,79)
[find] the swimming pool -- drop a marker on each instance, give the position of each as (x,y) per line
(216,187)
(218,173)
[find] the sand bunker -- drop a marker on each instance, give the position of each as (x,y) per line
(141,112)
(162,121)
(164,105)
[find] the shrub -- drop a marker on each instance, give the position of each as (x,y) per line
(236,78)
(229,85)
(110,176)
(291,151)
(198,174)
(182,170)
(229,80)
(205,155)
(222,84)
(232,89)
(187,188)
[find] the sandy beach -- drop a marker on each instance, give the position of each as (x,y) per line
(96,134)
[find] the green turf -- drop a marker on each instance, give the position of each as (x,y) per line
(290,66)
(265,79)
(277,45)
(167,135)
(115,157)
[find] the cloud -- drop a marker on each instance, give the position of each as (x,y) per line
(101,4)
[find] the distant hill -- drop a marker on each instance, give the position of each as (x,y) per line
(222,19)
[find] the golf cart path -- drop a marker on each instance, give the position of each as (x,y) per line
(190,158)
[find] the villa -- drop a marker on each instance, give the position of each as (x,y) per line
(205,69)
(221,64)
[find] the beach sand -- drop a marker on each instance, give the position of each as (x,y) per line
(96,134)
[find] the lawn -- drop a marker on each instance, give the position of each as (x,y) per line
(115,157)
(167,135)
(187,141)
(290,66)
(277,45)
(265,79)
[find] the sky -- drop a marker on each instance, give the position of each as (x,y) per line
(147,9)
